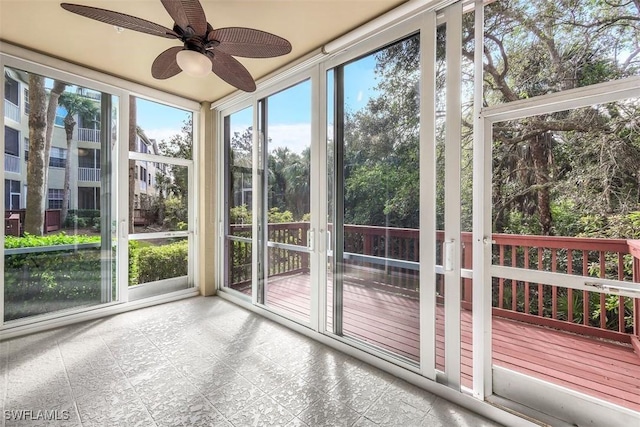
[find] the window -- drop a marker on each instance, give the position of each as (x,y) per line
(58,157)
(26,100)
(11,141)
(11,90)
(89,122)
(143,174)
(11,194)
(55,198)
(61,113)
(88,158)
(26,149)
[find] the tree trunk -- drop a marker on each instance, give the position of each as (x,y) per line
(34,218)
(541,170)
(133,134)
(69,125)
(54,95)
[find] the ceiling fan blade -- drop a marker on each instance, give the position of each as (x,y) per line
(120,20)
(231,71)
(187,13)
(165,65)
(249,42)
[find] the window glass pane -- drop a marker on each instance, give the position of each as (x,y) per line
(59,248)
(378,186)
(162,130)
(535,48)
(238,140)
(158,259)
(11,141)
(160,199)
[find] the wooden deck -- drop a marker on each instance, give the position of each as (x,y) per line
(605,370)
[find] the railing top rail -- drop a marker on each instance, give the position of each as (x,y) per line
(560,242)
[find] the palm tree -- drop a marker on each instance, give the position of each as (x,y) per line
(75,105)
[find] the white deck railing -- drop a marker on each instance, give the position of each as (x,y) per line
(11,111)
(89,174)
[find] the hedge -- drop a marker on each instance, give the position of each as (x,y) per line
(42,282)
(162,262)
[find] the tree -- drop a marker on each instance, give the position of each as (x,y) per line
(537,48)
(34,217)
(75,105)
(54,95)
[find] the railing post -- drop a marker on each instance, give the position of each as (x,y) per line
(634,250)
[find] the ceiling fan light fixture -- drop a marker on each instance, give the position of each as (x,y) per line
(193,63)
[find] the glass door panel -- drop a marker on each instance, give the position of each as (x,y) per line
(238,197)
(287,195)
(60,243)
(376,187)
(575,241)
(160,186)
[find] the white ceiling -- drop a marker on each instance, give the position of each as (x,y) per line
(43,26)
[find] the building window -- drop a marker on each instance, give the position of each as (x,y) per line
(11,90)
(11,194)
(55,198)
(143,174)
(58,157)
(11,141)
(26,149)
(88,158)
(26,100)
(61,113)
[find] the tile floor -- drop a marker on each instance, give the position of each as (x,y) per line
(203,362)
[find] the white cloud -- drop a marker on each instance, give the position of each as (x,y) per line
(360,96)
(296,137)
(162,133)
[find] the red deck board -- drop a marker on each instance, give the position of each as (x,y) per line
(601,369)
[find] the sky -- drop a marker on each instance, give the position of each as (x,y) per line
(289,112)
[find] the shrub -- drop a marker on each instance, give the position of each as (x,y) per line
(162,262)
(41,282)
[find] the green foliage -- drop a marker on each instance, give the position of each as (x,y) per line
(239,215)
(162,261)
(41,282)
(134,263)
(274,215)
(30,241)
(176,213)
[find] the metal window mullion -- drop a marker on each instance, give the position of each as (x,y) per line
(428,196)
(453,15)
(481,290)
(338,205)
(106,260)
(122,184)
(319,202)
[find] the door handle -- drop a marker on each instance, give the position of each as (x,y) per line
(311,239)
(448,251)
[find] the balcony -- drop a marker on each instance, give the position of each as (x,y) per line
(573,338)
(11,163)
(89,135)
(11,111)
(89,174)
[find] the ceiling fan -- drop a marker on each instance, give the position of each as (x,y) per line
(204,49)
